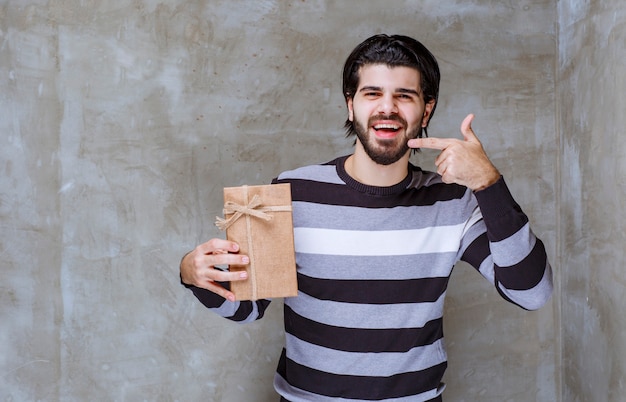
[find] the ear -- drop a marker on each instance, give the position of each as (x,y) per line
(428,109)
(350,109)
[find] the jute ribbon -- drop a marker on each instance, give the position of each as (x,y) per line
(252,209)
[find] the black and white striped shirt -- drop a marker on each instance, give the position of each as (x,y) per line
(373,267)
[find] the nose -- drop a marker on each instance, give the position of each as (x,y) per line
(387,105)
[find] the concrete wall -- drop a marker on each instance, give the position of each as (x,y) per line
(122,121)
(592,116)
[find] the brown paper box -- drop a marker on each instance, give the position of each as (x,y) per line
(267,239)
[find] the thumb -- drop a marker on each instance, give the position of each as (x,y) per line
(466,129)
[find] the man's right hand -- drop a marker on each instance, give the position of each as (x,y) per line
(198,266)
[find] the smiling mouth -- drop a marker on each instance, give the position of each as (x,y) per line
(386,131)
(386,127)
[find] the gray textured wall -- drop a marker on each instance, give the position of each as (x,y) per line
(121,122)
(592,70)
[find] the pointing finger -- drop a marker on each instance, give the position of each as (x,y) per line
(430,143)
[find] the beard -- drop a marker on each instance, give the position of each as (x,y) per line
(384,151)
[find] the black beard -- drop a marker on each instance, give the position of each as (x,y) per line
(387,152)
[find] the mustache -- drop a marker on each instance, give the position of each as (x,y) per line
(393,117)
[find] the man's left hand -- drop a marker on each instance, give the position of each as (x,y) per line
(463,161)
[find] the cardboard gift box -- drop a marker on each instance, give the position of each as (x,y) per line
(259,219)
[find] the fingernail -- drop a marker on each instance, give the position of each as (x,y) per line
(231,298)
(245,260)
(243,274)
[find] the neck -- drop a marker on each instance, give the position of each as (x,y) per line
(364,170)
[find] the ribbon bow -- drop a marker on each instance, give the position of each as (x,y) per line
(251,209)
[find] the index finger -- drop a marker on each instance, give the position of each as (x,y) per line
(431,143)
(214,245)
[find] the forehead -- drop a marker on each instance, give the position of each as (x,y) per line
(386,77)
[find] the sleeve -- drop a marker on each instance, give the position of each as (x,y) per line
(502,247)
(239,311)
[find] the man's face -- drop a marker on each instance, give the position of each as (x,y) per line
(387,110)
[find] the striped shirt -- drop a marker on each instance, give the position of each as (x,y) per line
(373,267)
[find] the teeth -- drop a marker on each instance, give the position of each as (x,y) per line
(386,126)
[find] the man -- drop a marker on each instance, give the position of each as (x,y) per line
(376,239)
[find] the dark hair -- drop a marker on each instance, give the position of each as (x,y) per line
(393,51)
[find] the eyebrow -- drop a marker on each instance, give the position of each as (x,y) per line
(408,91)
(398,90)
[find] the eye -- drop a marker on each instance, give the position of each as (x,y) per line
(371,94)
